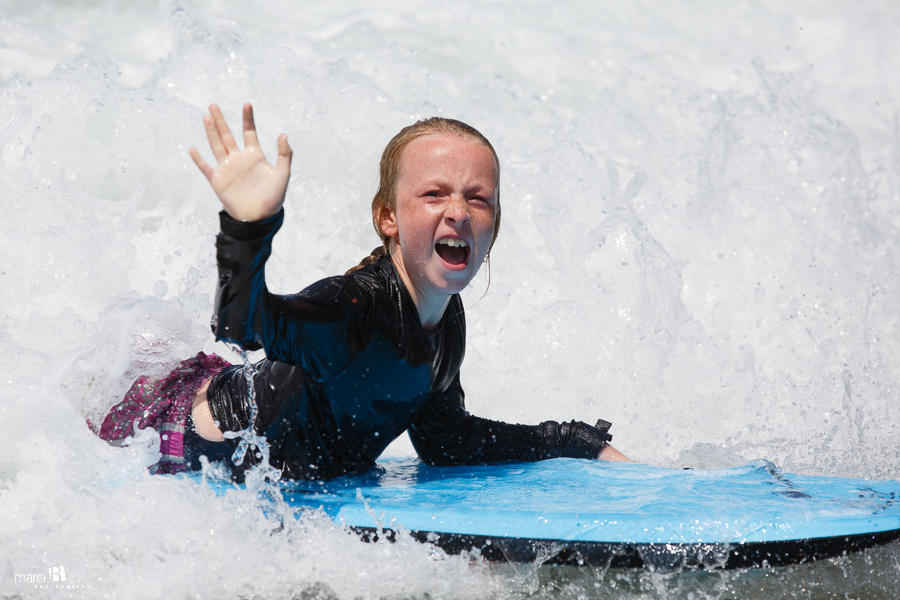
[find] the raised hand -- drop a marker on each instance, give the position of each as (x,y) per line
(248,186)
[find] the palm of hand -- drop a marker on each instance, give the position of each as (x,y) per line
(249,187)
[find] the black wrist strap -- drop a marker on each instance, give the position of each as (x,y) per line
(604,426)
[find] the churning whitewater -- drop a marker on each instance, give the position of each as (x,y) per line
(701,208)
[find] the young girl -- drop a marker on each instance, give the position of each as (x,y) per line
(353,361)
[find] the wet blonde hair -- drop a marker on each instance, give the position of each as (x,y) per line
(389,168)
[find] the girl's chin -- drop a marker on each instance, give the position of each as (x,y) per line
(441,277)
(456,280)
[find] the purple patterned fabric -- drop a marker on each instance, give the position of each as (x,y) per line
(163,404)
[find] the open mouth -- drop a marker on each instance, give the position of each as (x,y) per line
(454,251)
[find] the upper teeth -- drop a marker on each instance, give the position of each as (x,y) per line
(454,242)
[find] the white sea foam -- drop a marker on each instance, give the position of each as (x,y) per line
(739,302)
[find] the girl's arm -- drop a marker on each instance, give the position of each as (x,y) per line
(611,454)
(316,329)
(252,192)
(248,186)
(444,433)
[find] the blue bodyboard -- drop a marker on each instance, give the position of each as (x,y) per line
(614,514)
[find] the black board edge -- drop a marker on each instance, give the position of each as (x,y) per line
(657,557)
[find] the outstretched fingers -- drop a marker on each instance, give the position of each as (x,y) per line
(227,144)
(249,187)
(204,167)
(250,139)
(215,140)
(285,153)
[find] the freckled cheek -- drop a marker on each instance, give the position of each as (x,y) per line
(486,230)
(416,238)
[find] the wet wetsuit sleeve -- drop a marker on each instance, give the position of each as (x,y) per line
(241,252)
(445,434)
(313,329)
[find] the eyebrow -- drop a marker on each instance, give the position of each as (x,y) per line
(441,183)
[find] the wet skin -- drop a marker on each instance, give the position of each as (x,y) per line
(446,192)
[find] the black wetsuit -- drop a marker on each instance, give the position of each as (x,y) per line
(349,368)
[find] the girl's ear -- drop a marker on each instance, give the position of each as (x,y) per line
(388,222)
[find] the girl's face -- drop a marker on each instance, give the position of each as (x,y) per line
(443,220)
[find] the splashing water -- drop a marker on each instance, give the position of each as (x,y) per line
(248,437)
(699,244)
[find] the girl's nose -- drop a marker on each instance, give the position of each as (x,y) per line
(458,209)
